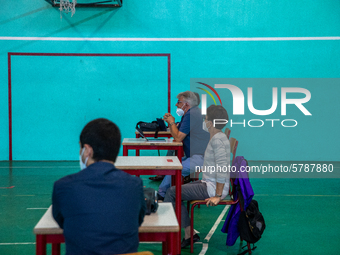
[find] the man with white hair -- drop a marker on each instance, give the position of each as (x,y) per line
(189,131)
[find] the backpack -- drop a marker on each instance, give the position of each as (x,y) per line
(251,223)
(151,201)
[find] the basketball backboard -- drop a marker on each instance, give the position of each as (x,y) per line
(91,3)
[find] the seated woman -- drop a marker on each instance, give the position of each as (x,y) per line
(214,185)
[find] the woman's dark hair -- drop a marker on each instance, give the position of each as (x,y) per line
(198,98)
(104,137)
(217,112)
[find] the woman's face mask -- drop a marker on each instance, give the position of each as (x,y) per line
(205,127)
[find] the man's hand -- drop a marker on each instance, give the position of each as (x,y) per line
(213,201)
(168,118)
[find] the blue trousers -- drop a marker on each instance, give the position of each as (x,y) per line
(188,167)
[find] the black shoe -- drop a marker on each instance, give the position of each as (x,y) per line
(159,197)
(157,178)
(186,242)
(186,179)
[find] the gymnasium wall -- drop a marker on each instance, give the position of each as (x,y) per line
(54,96)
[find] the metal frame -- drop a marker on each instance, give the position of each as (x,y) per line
(96,5)
(168,240)
(9,59)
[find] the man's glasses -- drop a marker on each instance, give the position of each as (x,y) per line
(179,102)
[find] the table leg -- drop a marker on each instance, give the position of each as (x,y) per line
(55,248)
(179,153)
(171,243)
(125,150)
(40,245)
(178,207)
(165,248)
(137,152)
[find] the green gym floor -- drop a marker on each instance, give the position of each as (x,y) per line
(302,215)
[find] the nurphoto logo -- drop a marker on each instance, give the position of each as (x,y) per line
(238,105)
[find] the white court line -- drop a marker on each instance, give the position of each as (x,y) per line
(175,39)
(14,243)
(36,208)
(204,249)
(212,230)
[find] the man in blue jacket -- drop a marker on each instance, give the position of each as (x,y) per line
(100,208)
(189,131)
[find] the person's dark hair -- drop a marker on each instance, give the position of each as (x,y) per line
(104,137)
(198,98)
(217,112)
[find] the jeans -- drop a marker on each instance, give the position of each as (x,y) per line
(188,167)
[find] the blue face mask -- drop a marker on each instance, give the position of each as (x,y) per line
(82,165)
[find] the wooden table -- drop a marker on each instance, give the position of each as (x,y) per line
(152,134)
(141,144)
(164,165)
(161,226)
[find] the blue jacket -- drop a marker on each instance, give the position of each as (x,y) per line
(231,223)
(100,209)
(196,139)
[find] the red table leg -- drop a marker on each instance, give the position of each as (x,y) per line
(172,243)
(178,207)
(165,248)
(40,245)
(125,150)
(179,153)
(55,248)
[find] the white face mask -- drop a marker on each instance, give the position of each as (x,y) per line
(205,128)
(82,165)
(180,112)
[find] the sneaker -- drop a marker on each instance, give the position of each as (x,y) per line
(186,242)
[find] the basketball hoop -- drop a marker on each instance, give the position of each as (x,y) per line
(66,6)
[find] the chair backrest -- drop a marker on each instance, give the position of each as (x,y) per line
(233,146)
(227,132)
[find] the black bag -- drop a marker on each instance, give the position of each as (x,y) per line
(251,223)
(146,126)
(151,201)
(161,124)
(157,125)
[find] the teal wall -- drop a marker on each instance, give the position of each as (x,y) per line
(54,97)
